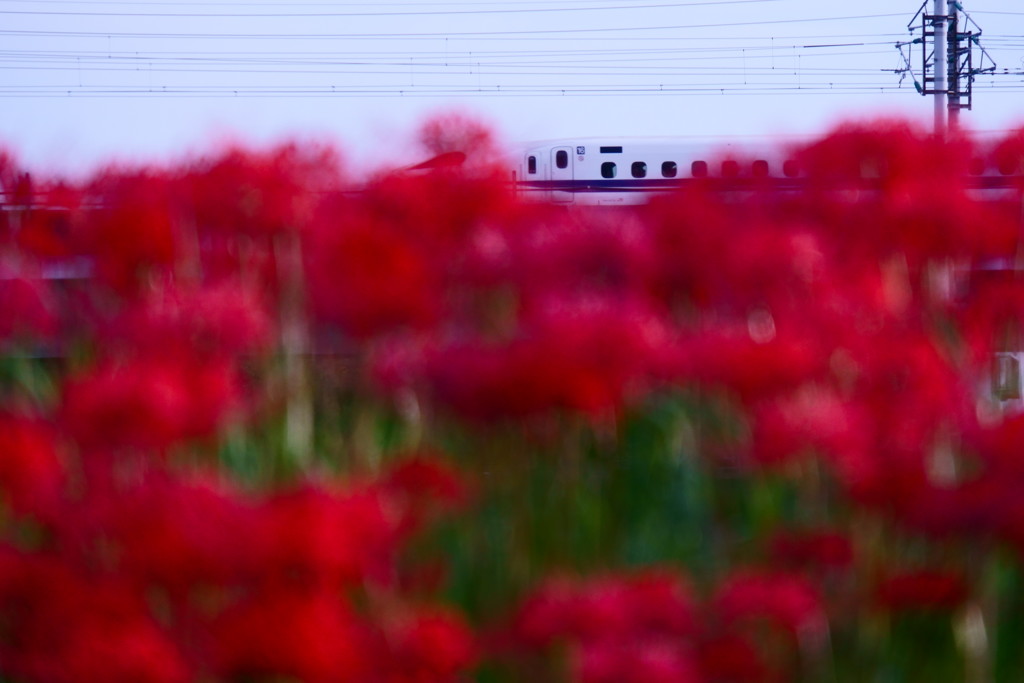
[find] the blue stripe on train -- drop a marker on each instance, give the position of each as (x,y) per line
(653,184)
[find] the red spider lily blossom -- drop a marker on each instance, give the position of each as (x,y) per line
(224,320)
(810,418)
(754,361)
(613,635)
(886,188)
(717,256)
(241,192)
(911,366)
(64,627)
(306,634)
(786,601)
(383,260)
(647,627)
(180,535)
(925,589)
(28,310)
(981,500)
(367,277)
(546,614)
(9,169)
(430,645)
(18,188)
(635,662)
(315,536)
(731,658)
(149,404)
(769,264)
(912,371)
(978,507)
(39,220)
(439,210)
(457,132)
(990,319)
(423,485)
(998,445)
(816,550)
(591,356)
(136,231)
(31,473)
(690,232)
(180,579)
(647,604)
(47,233)
(579,254)
(423,474)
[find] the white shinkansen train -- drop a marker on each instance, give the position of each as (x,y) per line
(626,171)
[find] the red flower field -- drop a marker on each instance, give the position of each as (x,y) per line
(265,419)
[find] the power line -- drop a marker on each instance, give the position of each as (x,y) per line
(495,91)
(770,40)
(278,15)
(564,39)
(286,3)
(707,71)
(410,35)
(75,60)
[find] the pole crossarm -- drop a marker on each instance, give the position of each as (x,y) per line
(951,54)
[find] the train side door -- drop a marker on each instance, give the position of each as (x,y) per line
(561,175)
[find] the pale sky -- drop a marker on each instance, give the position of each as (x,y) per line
(88,82)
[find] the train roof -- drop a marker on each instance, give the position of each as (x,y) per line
(683,143)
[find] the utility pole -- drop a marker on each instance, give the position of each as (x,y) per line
(948,41)
(939,36)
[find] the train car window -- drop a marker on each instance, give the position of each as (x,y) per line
(639,169)
(790,168)
(616,149)
(562,159)
(608,169)
(531,164)
(977,166)
(759,169)
(699,169)
(669,169)
(730,168)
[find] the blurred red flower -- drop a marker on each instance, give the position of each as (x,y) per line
(815,550)
(31,473)
(315,536)
(924,589)
(308,634)
(149,404)
(134,232)
(787,601)
(28,310)
(429,646)
(61,627)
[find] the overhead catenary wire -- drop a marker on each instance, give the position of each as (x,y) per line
(765,64)
(817,89)
(409,35)
(399,13)
(323,3)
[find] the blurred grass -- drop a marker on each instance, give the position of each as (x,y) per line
(659,486)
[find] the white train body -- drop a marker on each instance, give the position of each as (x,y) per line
(625,171)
